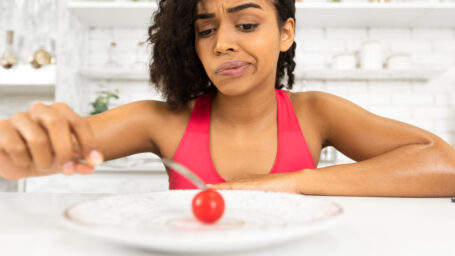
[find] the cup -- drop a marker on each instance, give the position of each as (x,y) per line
(371,55)
(344,61)
(398,61)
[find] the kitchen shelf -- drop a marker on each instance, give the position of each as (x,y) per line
(368,75)
(24,78)
(114,14)
(114,74)
(375,14)
(138,14)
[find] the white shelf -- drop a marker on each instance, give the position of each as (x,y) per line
(27,75)
(375,14)
(117,14)
(114,74)
(358,74)
(26,79)
(114,14)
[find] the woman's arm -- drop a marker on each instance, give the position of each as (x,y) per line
(128,129)
(394,158)
(50,139)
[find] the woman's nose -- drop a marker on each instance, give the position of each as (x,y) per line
(225,41)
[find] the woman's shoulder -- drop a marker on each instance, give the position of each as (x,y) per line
(315,102)
(164,125)
(312,109)
(160,108)
(309,100)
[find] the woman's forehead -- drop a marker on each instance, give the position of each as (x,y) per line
(205,6)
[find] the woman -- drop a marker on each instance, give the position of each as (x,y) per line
(219,65)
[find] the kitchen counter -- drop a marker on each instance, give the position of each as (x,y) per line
(30,225)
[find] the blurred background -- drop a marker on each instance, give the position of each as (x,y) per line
(395,58)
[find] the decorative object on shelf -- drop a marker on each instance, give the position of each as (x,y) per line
(101,103)
(39,30)
(371,55)
(112,56)
(398,61)
(40,58)
(9,59)
(344,61)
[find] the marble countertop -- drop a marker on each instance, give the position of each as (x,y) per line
(30,225)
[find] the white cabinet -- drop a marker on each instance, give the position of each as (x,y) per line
(124,181)
(135,174)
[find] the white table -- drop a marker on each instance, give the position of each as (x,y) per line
(29,225)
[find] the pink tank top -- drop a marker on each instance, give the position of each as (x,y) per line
(194,152)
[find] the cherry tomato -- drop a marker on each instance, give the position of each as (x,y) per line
(208,206)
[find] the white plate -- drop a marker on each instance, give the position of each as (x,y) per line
(163,221)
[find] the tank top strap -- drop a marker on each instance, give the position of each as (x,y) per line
(200,116)
(287,119)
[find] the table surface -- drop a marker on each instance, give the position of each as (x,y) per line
(30,225)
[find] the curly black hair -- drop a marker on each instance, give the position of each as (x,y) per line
(175,69)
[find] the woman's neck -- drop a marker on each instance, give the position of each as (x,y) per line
(257,109)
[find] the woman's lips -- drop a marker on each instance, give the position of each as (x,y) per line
(232,68)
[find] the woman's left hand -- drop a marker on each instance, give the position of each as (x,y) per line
(279,182)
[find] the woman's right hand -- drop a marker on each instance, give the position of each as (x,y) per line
(47,140)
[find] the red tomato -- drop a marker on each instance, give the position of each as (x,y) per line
(208,206)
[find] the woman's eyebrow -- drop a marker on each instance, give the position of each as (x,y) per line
(242,7)
(229,10)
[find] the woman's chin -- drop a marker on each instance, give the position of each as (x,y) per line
(232,90)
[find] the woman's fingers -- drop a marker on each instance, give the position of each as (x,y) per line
(84,134)
(36,139)
(13,144)
(81,168)
(48,138)
(58,131)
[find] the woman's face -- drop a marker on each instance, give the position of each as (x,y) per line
(238,43)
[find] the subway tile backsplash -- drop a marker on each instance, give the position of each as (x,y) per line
(429,105)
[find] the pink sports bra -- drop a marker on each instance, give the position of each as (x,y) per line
(194,152)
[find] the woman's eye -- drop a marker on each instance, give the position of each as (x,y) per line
(248,27)
(206,32)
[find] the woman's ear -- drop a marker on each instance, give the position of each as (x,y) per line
(287,34)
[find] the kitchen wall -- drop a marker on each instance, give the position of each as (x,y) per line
(426,104)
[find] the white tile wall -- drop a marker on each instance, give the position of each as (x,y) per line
(389,33)
(429,105)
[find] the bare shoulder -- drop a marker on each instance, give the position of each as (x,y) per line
(353,130)
(165,126)
(313,100)
(307,104)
